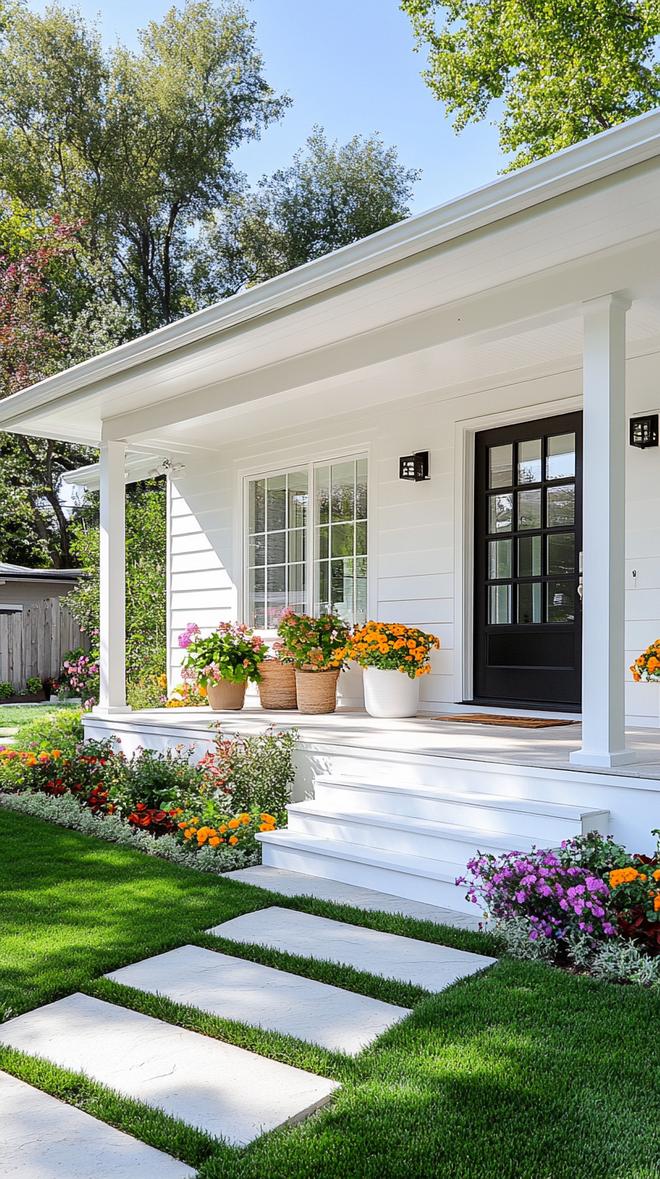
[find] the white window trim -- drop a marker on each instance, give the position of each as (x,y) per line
(258,470)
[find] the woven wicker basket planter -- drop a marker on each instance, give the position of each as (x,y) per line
(316,691)
(277,686)
(226,696)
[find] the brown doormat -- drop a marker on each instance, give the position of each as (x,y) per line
(511,722)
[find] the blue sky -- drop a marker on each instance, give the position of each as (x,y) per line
(348,65)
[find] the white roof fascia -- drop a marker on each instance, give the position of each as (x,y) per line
(601,156)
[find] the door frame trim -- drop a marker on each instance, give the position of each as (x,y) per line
(465,431)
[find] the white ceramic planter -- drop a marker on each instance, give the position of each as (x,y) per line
(390,693)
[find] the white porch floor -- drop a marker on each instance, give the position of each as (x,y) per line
(423,736)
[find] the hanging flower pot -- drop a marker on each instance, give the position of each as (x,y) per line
(226,696)
(316,691)
(390,693)
(277,686)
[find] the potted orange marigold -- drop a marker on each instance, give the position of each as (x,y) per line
(394,658)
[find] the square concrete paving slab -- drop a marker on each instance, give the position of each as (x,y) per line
(235,989)
(298,884)
(43,1138)
(219,1088)
(405,959)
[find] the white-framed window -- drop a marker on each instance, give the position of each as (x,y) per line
(306,541)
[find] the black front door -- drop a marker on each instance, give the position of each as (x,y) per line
(528,509)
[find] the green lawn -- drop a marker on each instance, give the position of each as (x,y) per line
(16,715)
(520,1073)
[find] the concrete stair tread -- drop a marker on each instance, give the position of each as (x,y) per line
(469,798)
(457,831)
(358,853)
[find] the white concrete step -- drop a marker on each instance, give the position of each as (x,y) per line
(398,833)
(44,1138)
(506,815)
(415,877)
(298,884)
(217,1087)
(387,955)
(233,988)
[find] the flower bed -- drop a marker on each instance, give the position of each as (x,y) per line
(215,808)
(588,905)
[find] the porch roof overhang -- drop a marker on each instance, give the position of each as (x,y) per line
(519,254)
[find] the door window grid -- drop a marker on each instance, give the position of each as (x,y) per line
(531,559)
(308,560)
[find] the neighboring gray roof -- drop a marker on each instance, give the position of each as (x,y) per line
(23,573)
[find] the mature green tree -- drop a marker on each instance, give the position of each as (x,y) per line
(330,196)
(135,145)
(560,70)
(34,274)
(145,578)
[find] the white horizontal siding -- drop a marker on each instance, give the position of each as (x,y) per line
(412,561)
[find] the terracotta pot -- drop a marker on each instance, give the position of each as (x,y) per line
(226,696)
(277,686)
(390,693)
(316,691)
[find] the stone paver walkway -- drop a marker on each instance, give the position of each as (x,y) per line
(263,997)
(43,1138)
(226,1091)
(388,955)
(297,884)
(216,1087)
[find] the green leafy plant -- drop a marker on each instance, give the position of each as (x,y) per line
(253,772)
(6,690)
(231,652)
(34,684)
(313,644)
(154,780)
(61,729)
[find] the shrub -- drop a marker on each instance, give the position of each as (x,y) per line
(55,774)
(256,772)
(155,781)
(236,831)
(149,691)
(53,730)
(34,684)
(80,675)
(6,690)
(557,899)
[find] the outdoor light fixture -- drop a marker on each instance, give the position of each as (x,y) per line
(415,466)
(644,431)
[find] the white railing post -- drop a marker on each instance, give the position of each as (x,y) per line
(603,602)
(112,624)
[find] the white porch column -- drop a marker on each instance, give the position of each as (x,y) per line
(112,518)
(603,603)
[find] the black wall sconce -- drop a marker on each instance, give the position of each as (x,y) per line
(644,431)
(415,466)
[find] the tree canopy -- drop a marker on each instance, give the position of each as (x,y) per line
(557,71)
(121,207)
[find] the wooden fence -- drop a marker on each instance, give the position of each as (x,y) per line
(33,641)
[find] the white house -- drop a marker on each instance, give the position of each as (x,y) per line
(513,334)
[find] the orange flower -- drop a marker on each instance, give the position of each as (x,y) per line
(656,903)
(233,839)
(214,841)
(234,823)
